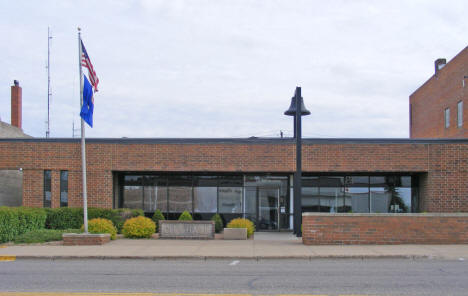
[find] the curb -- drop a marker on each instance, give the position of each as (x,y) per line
(206,258)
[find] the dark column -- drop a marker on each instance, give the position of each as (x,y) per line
(298,173)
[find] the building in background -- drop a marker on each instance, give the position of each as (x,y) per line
(438,109)
(11,179)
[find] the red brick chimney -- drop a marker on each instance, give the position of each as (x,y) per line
(16,104)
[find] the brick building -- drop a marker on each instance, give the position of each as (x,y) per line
(244,177)
(439,108)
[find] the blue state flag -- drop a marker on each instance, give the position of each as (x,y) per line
(88,102)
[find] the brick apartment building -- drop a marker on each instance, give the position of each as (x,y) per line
(438,108)
(253,177)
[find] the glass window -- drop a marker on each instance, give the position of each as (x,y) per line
(460,114)
(447,117)
(230,199)
(47,188)
(205,181)
(180,199)
(310,200)
(205,199)
(230,181)
(155,197)
(133,197)
(357,198)
(250,203)
(180,180)
(133,192)
(64,188)
(332,200)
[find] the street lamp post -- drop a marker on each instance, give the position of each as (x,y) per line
(297,113)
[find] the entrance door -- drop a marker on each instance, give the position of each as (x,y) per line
(268,204)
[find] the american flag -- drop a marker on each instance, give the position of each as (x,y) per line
(86,62)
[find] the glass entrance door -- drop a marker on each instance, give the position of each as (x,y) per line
(268,204)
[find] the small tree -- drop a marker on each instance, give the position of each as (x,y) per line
(185,216)
(158,215)
(218,223)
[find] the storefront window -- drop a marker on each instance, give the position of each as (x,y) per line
(230,200)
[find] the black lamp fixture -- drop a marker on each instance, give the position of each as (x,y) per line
(297,113)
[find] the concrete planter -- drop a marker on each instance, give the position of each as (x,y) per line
(235,233)
(174,229)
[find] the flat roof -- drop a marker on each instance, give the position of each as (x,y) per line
(251,140)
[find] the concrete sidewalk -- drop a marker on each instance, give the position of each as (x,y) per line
(264,246)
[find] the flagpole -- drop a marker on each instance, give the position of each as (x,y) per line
(83,146)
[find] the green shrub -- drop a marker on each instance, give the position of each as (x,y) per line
(64,218)
(16,221)
(121,215)
(242,223)
(156,217)
(185,216)
(218,223)
(139,227)
(42,236)
(101,225)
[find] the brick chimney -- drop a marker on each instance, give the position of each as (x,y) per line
(16,104)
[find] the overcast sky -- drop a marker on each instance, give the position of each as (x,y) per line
(226,68)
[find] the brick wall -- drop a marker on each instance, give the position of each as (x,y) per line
(441,91)
(442,168)
(320,229)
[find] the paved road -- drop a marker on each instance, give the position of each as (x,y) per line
(331,277)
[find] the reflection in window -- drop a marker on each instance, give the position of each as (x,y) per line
(230,199)
(358,199)
(133,197)
(155,197)
(205,199)
(64,188)
(180,199)
(47,189)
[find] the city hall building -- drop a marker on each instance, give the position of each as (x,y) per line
(253,177)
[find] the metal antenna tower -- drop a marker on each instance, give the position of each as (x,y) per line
(73,128)
(49,91)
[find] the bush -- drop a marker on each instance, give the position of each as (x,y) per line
(64,218)
(218,223)
(42,236)
(156,217)
(242,223)
(139,227)
(121,215)
(16,221)
(101,225)
(185,216)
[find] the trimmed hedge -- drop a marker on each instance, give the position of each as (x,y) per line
(65,218)
(16,221)
(139,227)
(242,223)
